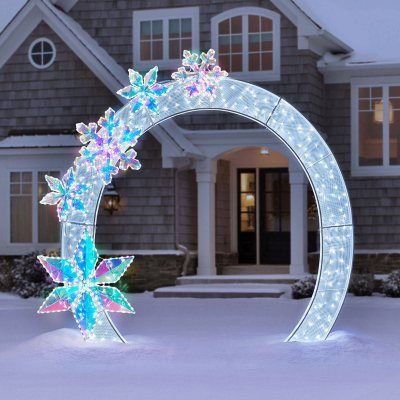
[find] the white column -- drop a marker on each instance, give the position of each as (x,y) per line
(205,176)
(298,222)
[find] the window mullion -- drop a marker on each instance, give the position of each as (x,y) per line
(165,39)
(245,38)
(385,141)
(35,213)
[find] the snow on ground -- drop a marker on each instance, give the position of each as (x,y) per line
(201,349)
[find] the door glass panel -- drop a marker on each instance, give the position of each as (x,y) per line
(247,201)
(247,222)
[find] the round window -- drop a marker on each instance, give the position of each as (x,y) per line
(42,53)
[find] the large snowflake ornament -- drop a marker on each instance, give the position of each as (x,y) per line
(107,142)
(199,74)
(66,194)
(84,291)
(143,92)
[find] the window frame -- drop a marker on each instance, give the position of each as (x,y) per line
(244,12)
(164,14)
(35,209)
(376,170)
(53,57)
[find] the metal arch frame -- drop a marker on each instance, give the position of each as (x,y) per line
(317,162)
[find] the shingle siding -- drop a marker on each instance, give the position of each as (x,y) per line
(55,98)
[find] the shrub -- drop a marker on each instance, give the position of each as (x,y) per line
(391,285)
(26,277)
(362,284)
(304,287)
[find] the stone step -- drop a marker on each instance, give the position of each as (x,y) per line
(235,279)
(221,291)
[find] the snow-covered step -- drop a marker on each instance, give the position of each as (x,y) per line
(222,291)
(239,279)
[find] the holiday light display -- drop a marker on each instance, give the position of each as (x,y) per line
(198,85)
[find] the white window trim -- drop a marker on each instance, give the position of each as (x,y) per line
(356,169)
(53,57)
(164,14)
(275,74)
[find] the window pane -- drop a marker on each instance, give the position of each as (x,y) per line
(145,30)
(174,28)
(145,50)
(46,47)
(186,27)
(376,92)
(394,91)
(236,24)
(364,93)
(266,41)
(370,139)
(186,45)
(174,49)
(247,202)
(254,42)
(20,207)
(254,23)
(236,43)
(48,225)
(266,61)
(247,182)
(223,61)
(266,24)
(224,42)
(254,62)
(157,51)
(157,29)
(271,222)
(247,222)
(223,27)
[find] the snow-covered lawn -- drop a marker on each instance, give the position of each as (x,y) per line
(202,349)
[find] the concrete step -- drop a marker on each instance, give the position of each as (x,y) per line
(238,279)
(222,291)
(255,269)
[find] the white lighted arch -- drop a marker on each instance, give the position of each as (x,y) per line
(152,103)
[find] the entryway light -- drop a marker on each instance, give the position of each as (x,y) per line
(264,151)
(111,198)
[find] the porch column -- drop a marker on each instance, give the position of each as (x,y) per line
(298,222)
(205,176)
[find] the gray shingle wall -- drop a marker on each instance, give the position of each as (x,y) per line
(53,98)
(110,22)
(145,219)
(375,201)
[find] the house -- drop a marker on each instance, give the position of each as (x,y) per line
(216,192)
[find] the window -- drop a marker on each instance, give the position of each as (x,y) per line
(160,36)
(376,127)
(247,41)
(31,222)
(42,53)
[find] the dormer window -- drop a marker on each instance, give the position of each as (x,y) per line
(160,36)
(247,40)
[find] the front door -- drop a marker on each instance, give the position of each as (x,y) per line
(273,239)
(274,216)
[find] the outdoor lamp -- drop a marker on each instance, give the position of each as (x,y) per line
(111,198)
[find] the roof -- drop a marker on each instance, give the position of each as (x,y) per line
(370,27)
(39,141)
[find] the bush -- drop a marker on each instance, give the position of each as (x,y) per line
(25,276)
(304,287)
(362,284)
(391,285)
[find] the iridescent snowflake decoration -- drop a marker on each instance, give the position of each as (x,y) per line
(84,291)
(107,142)
(65,194)
(143,93)
(199,74)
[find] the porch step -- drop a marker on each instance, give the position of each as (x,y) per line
(274,279)
(221,291)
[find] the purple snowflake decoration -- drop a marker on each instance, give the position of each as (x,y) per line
(143,93)
(106,144)
(65,193)
(199,74)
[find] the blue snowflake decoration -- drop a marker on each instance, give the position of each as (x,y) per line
(84,291)
(106,142)
(65,194)
(143,93)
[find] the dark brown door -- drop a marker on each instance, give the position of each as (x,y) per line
(247,240)
(274,216)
